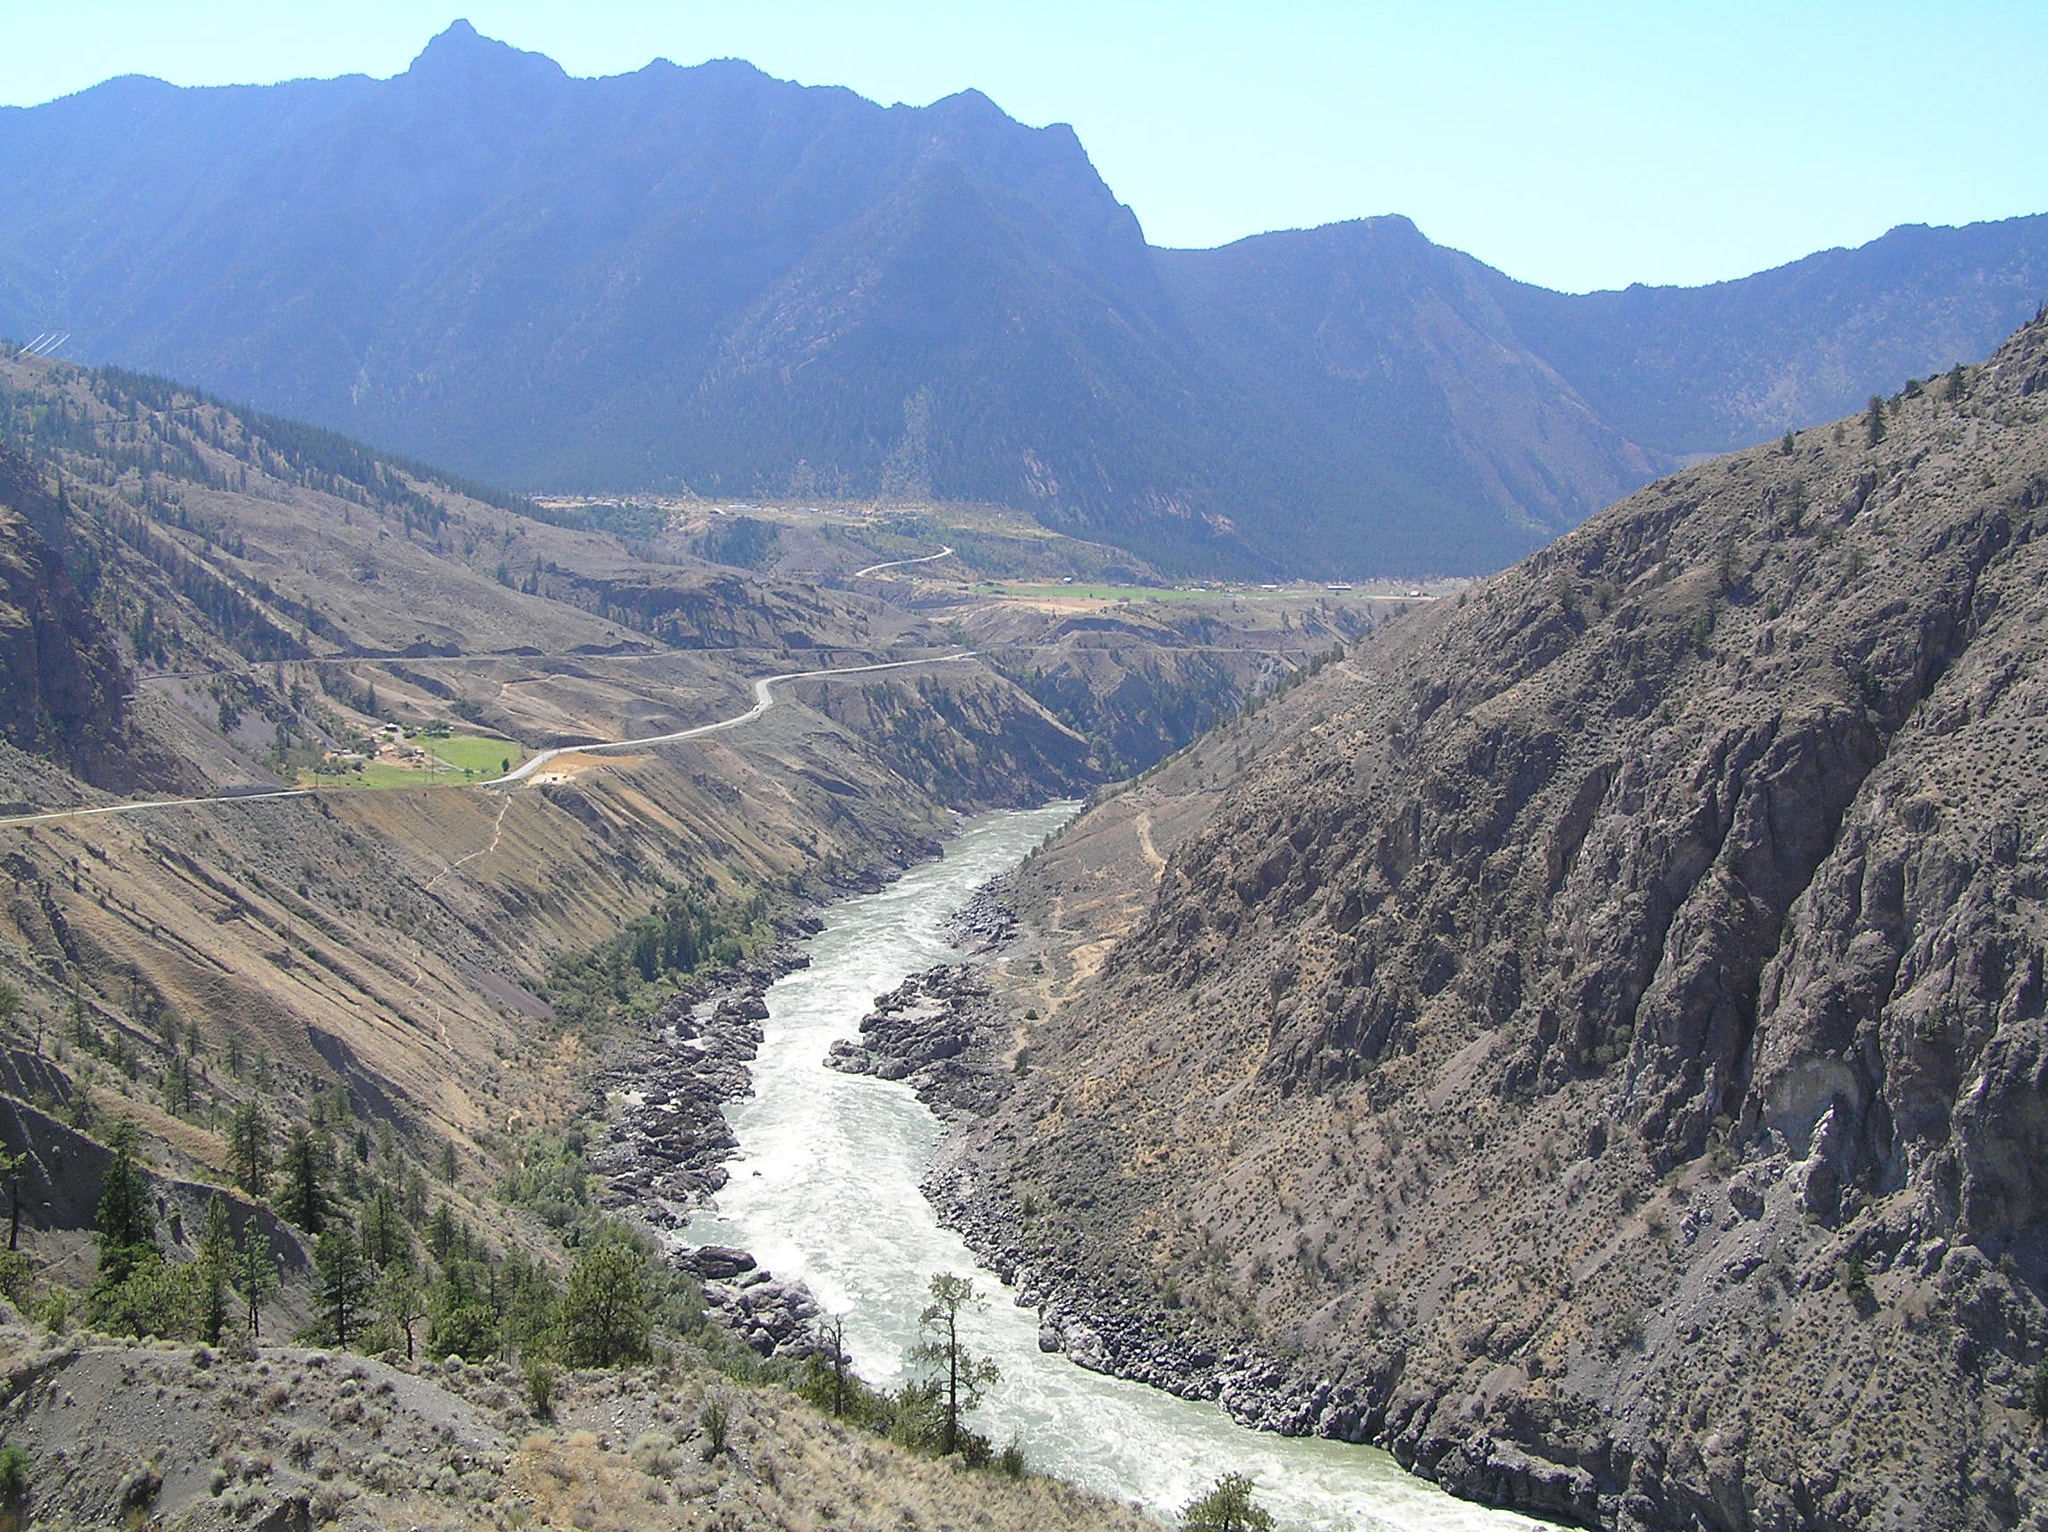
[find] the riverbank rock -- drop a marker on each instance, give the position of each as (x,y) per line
(771,1318)
(984,923)
(715,1263)
(936,1030)
(664,1146)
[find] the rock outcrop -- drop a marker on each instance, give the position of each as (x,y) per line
(665,1142)
(65,679)
(1600,1052)
(936,1030)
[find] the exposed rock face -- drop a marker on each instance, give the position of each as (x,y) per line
(1605,1049)
(65,680)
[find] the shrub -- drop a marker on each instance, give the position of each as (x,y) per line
(1228,1507)
(716,1420)
(13,1475)
(540,1387)
(1855,1277)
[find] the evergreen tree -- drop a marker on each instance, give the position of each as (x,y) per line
(400,1305)
(464,1322)
(177,1085)
(126,1223)
(606,1314)
(341,1283)
(249,1149)
(441,1234)
(304,1199)
(215,1270)
(11,1167)
(1873,421)
(962,1375)
(530,1303)
(385,1239)
(1228,1507)
(256,1275)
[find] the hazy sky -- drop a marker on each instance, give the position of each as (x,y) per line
(1577,145)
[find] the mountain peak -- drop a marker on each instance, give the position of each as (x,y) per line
(458,34)
(461,51)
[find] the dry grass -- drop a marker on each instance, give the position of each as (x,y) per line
(368,1444)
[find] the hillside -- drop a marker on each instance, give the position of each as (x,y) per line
(290,1437)
(300,915)
(705,277)
(202,602)
(1592,1040)
(67,684)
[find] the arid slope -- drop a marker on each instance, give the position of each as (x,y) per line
(1599,1050)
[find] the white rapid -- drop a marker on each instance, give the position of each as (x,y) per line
(825,1188)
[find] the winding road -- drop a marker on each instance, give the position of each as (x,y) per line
(764,699)
(929,558)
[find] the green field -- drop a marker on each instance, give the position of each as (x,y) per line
(483,758)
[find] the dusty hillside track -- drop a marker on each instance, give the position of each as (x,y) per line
(929,558)
(764,699)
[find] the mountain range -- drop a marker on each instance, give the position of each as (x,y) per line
(707,278)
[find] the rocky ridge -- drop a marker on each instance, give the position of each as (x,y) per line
(1599,1052)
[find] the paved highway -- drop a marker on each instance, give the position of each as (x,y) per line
(764,699)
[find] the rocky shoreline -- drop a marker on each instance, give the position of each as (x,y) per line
(1123,1331)
(663,1149)
(1127,1334)
(944,1033)
(936,1032)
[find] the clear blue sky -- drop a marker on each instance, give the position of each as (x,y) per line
(1578,145)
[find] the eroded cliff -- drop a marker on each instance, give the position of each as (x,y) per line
(1599,1050)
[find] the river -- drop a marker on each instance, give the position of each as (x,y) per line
(825,1188)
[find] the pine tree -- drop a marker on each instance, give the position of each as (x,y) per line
(177,1085)
(606,1313)
(401,1304)
(441,1234)
(249,1150)
(384,1235)
(127,1226)
(11,1167)
(341,1282)
(1873,421)
(1228,1507)
(962,1374)
(256,1275)
(215,1272)
(304,1199)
